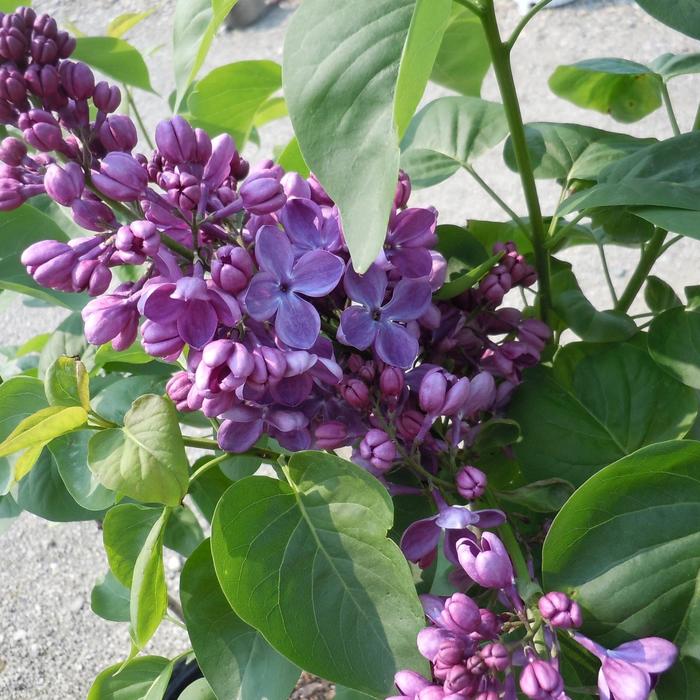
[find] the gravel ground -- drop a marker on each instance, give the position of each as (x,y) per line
(51,645)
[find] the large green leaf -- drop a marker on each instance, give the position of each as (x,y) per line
(114,394)
(353,76)
(625,90)
(304,560)
(291,159)
(183,532)
(670,65)
(9,512)
(683,15)
(674,342)
(195,25)
(659,296)
(455,131)
(234,657)
(121,24)
(149,595)
(572,151)
(626,546)
(596,405)
(463,44)
(67,383)
(228,98)
(146,458)
(130,683)
(115,58)
(18,230)
(110,599)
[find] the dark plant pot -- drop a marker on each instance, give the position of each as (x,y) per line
(184,674)
(246,12)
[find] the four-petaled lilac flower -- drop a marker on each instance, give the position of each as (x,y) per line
(308,228)
(378,324)
(408,242)
(277,289)
(629,671)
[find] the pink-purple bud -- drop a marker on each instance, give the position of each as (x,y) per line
(471,483)
(432,391)
(178,389)
(410,683)
(176,140)
(50,263)
(460,680)
(121,177)
(263,195)
(91,214)
(106,97)
(495,656)
(460,614)
(117,133)
(77,80)
(12,151)
(486,563)
(92,276)
(13,86)
(139,237)
(64,184)
(539,680)
(331,435)
(232,268)
(560,611)
(391,383)
(403,190)
(41,130)
(378,449)
(356,393)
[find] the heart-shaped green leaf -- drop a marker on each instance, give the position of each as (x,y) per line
(683,15)
(115,58)
(674,342)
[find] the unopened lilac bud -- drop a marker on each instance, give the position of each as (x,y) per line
(66,44)
(45,25)
(490,625)
(409,424)
(232,268)
(486,563)
(162,340)
(240,167)
(12,151)
(460,680)
(176,140)
(431,692)
(92,214)
(178,389)
(410,683)
(356,393)
(106,97)
(42,131)
(140,237)
(318,193)
(451,651)
(539,680)
(560,611)
(182,189)
(263,195)
(535,333)
(471,483)
(218,167)
(331,435)
(391,383)
(429,640)
(432,390)
(121,177)
(13,43)
(77,79)
(111,317)
(13,86)
(50,263)
(11,194)
(294,185)
(44,50)
(64,184)
(495,656)
(378,449)
(202,147)
(117,133)
(403,190)
(92,276)
(460,614)
(482,394)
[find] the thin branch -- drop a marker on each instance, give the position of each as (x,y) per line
(524,22)
(139,121)
(669,110)
(606,272)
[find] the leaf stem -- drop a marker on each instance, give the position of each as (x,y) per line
(496,198)
(208,444)
(524,22)
(650,254)
(476,9)
(208,465)
(500,57)
(606,272)
(176,247)
(139,120)
(669,109)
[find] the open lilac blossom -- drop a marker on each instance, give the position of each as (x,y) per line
(310,228)
(375,323)
(410,237)
(629,671)
(277,290)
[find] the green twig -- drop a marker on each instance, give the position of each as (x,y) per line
(669,109)
(650,253)
(137,115)
(208,444)
(208,465)
(553,242)
(606,272)
(524,22)
(176,247)
(476,9)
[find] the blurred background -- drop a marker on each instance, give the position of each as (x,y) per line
(51,644)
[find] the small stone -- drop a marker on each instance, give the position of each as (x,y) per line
(76,604)
(174,563)
(34,650)
(19,636)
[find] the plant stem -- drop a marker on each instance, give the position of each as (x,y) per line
(651,252)
(558,235)
(669,109)
(175,607)
(208,444)
(496,198)
(524,22)
(176,247)
(673,241)
(139,120)
(606,272)
(208,465)
(500,57)
(476,9)
(696,122)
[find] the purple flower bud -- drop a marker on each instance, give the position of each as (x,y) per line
(240,167)
(378,448)
(431,692)
(432,391)
(535,333)
(91,214)
(121,177)
(182,189)
(91,275)
(459,680)
(45,25)
(539,680)
(111,317)
(13,86)
(12,151)
(482,394)
(44,50)
(409,424)
(41,130)
(403,190)
(330,435)
(294,185)
(232,268)
(263,195)
(410,683)
(486,563)
(490,625)
(356,393)
(140,237)
(391,383)
(495,656)
(77,79)
(176,140)
(64,184)
(13,43)
(11,194)
(318,193)
(117,133)
(471,483)
(66,44)
(162,340)
(178,389)
(460,614)
(50,263)
(106,97)
(218,167)
(452,651)
(560,611)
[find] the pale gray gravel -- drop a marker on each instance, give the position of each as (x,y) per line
(51,646)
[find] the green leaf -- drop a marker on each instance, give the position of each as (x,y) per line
(292,160)
(546,496)
(124,532)
(463,44)
(67,340)
(325,534)
(9,511)
(659,295)
(353,76)
(70,455)
(67,383)
(271,110)
(42,427)
(123,23)
(18,230)
(625,90)
(625,547)
(199,690)
(195,25)
(207,489)
(682,15)
(580,315)
(682,221)
(129,683)
(183,533)
(145,459)
(228,99)
(427,168)
(116,58)
(110,599)
(674,343)
(133,355)
(149,595)
(596,405)
(458,129)
(12,5)
(671,65)
(234,657)
(114,395)
(572,151)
